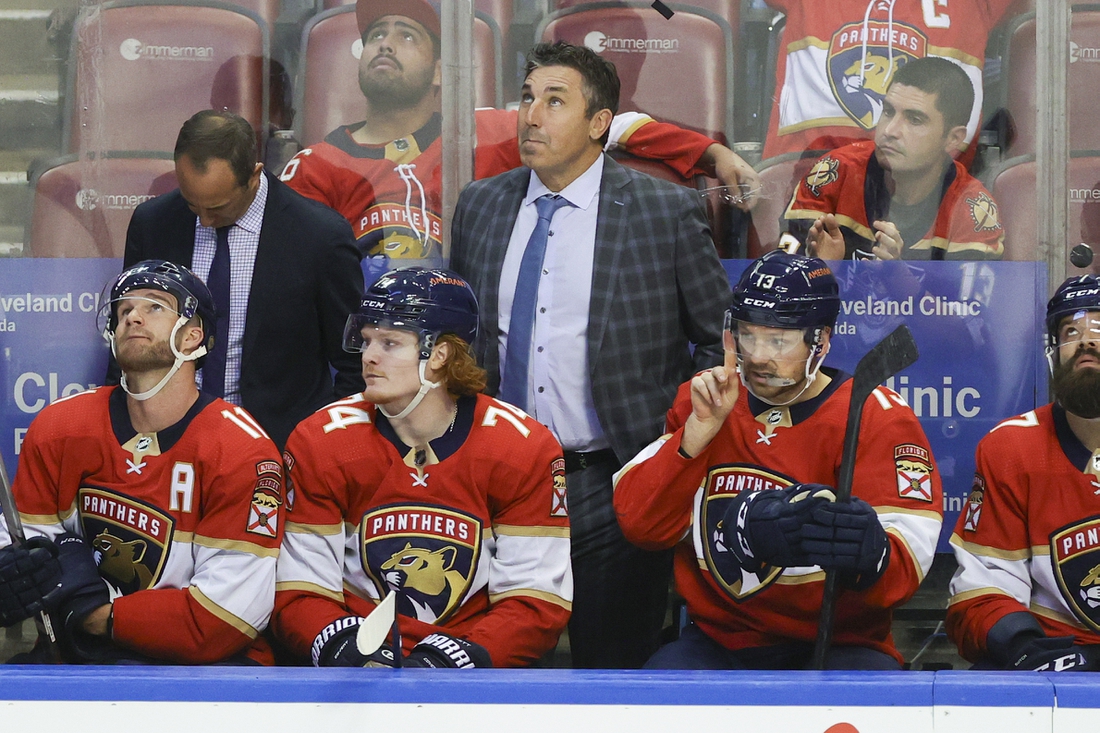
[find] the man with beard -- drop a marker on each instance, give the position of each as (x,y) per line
(384,174)
(152,510)
(1027,591)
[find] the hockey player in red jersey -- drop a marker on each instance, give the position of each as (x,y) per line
(384,174)
(739,485)
(162,504)
(1026,594)
(422,487)
(902,196)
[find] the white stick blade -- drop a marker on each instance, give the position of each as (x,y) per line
(373,630)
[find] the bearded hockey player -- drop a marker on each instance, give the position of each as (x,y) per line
(424,488)
(1027,591)
(740,486)
(161,505)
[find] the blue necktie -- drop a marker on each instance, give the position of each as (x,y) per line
(513,386)
(213,371)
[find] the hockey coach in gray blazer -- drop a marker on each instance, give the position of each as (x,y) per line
(600,323)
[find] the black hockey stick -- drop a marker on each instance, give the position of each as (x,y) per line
(15,529)
(884,360)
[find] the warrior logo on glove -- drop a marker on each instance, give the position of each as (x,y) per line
(1075,554)
(428,553)
(130,538)
(723,485)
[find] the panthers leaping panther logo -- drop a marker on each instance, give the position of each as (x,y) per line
(428,584)
(120,562)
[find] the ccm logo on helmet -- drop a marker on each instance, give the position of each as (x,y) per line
(1079,293)
(759,303)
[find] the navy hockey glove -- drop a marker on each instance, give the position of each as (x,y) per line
(82,588)
(336,646)
(445,651)
(29,578)
(849,538)
(1017,641)
(765,527)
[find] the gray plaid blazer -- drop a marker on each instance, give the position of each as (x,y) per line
(657,286)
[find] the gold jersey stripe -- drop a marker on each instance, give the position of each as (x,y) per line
(239,624)
(309,588)
(532,593)
(512,530)
(324,530)
(251,548)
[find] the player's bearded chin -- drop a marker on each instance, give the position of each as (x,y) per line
(1077,390)
(141,357)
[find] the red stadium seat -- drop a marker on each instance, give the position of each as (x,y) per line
(679,70)
(328,85)
(779,177)
(1084,81)
(81,207)
(138,70)
(730,10)
(1014,190)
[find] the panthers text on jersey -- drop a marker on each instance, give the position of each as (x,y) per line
(392,194)
(186,522)
(1028,538)
(472,532)
(966,225)
(663,500)
(838,59)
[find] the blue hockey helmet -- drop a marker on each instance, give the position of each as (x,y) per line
(427,302)
(784,290)
(193,298)
(1073,296)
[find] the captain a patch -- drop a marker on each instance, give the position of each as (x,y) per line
(914,470)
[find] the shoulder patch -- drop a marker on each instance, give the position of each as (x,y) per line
(974,504)
(983,212)
(559,507)
(822,174)
(914,471)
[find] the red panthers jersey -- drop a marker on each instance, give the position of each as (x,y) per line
(185,522)
(1028,538)
(663,500)
(967,225)
(472,532)
(392,194)
(839,58)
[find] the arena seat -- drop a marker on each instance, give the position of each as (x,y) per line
(328,93)
(730,10)
(678,70)
(138,69)
(1084,80)
(81,206)
(1013,187)
(779,176)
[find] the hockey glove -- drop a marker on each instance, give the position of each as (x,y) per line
(765,527)
(82,588)
(445,651)
(1017,641)
(29,578)
(1050,654)
(849,538)
(335,646)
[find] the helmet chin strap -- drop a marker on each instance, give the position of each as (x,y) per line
(180,359)
(425,387)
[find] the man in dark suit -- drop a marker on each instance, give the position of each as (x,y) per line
(286,266)
(587,315)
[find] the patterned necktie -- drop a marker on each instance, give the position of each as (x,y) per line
(213,371)
(513,386)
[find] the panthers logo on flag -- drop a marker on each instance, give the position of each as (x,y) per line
(860,73)
(428,553)
(1075,555)
(914,469)
(974,504)
(130,538)
(722,485)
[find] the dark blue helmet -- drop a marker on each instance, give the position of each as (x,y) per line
(192,296)
(1074,295)
(787,291)
(428,302)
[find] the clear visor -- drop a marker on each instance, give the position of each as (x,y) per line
(146,306)
(358,324)
(760,343)
(1081,327)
